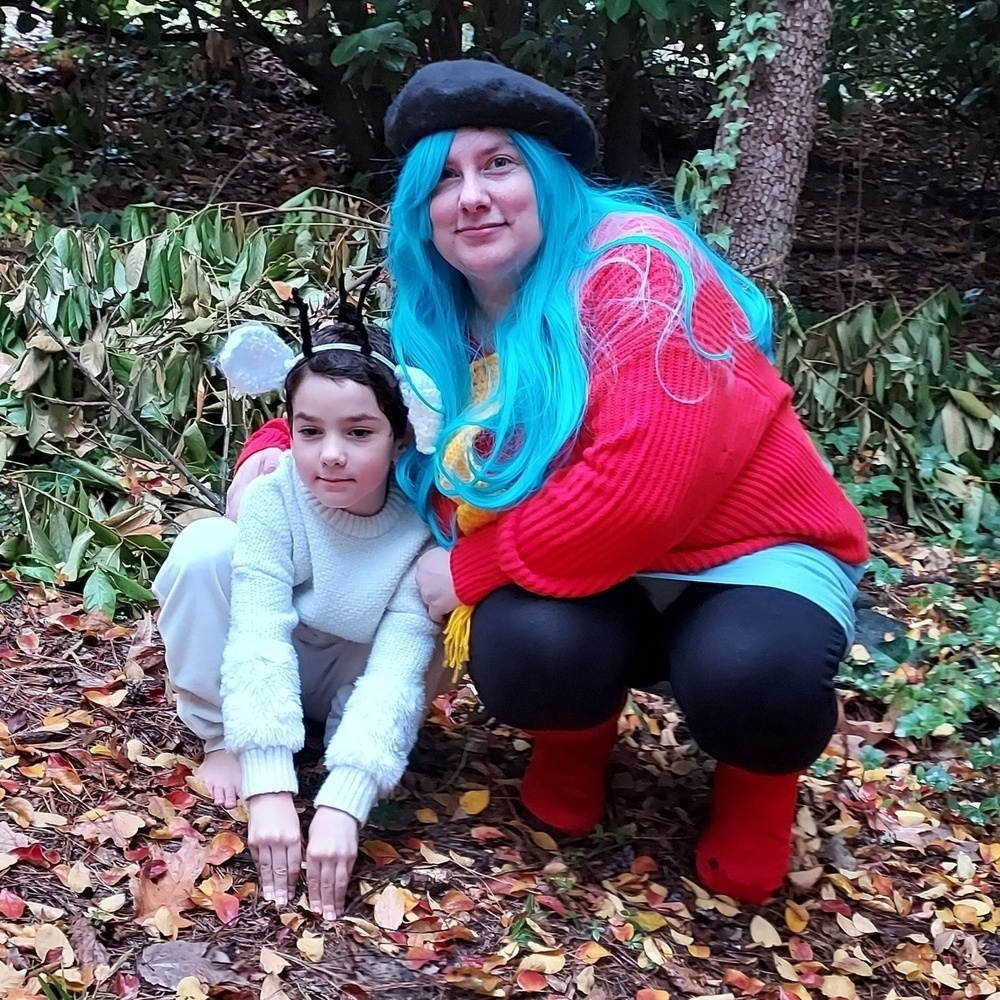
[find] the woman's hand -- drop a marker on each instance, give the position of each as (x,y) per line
(275,840)
(259,464)
(330,853)
(436,586)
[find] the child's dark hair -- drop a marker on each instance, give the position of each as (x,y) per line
(351,366)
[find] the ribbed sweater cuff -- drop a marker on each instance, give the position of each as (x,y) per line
(268,769)
(349,790)
(475,565)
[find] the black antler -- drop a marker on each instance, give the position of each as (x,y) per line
(305,331)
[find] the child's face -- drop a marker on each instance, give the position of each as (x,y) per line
(342,444)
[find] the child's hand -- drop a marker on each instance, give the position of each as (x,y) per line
(275,840)
(330,853)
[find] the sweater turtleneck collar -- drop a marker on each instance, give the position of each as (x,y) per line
(354,525)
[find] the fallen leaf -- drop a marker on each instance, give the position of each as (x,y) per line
(764,933)
(271,962)
(474,802)
(310,946)
(166,963)
(796,917)
(272,988)
(426,816)
(391,905)
(545,841)
(11,905)
(838,986)
(172,889)
(48,938)
(648,920)
(532,982)
(223,847)
(648,994)
(547,962)
(591,952)
(380,852)
(190,989)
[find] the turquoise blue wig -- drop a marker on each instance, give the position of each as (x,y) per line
(533,416)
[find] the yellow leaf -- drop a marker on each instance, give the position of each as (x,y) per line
(544,841)
(474,802)
(48,937)
(864,925)
(838,986)
(426,816)
(431,856)
(546,962)
(112,904)
(699,951)
(272,988)
(846,924)
(945,975)
(392,904)
(271,962)
(310,946)
(658,952)
(189,988)
(764,933)
(785,969)
(796,917)
(649,921)
(591,952)
(79,877)
(165,922)
(586,980)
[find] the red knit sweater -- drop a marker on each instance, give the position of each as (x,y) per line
(681,463)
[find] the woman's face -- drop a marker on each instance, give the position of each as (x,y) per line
(484,214)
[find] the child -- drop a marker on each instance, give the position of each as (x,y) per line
(324,617)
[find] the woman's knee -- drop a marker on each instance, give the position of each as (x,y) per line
(547,663)
(757,689)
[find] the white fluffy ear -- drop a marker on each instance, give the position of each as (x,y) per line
(255,359)
(423,401)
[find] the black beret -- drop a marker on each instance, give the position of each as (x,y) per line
(474,93)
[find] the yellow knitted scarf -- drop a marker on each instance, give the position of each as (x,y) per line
(457,632)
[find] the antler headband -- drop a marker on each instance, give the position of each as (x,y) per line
(256,360)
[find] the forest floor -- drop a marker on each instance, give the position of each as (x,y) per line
(117,878)
(120,879)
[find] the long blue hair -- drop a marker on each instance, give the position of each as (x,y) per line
(533,415)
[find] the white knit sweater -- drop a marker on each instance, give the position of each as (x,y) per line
(349,576)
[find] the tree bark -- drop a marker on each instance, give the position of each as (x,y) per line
(623,124)
(759,205)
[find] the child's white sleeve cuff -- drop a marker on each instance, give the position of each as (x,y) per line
(350,790)
(268,769)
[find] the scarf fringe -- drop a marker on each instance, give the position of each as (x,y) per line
(457,638)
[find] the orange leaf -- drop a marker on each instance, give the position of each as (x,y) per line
(643,865)
(742,982)
(486,833)
(648,994)
(62,772)
(591,953)
(380,852)
(223,847)
(456,901)
(623,933)
(532,982)
(172,889)
(226,906)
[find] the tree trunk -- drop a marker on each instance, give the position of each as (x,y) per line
(623,126)
(503,19)
(760,203)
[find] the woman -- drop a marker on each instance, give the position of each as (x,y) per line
(621,489)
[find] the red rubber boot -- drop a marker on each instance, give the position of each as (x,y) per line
(745,851)
(563,785)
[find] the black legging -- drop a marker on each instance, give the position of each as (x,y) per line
(752,668)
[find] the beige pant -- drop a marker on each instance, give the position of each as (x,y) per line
(193,588)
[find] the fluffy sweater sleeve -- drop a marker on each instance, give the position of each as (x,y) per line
(368,752)
(261,695)
(664,434)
